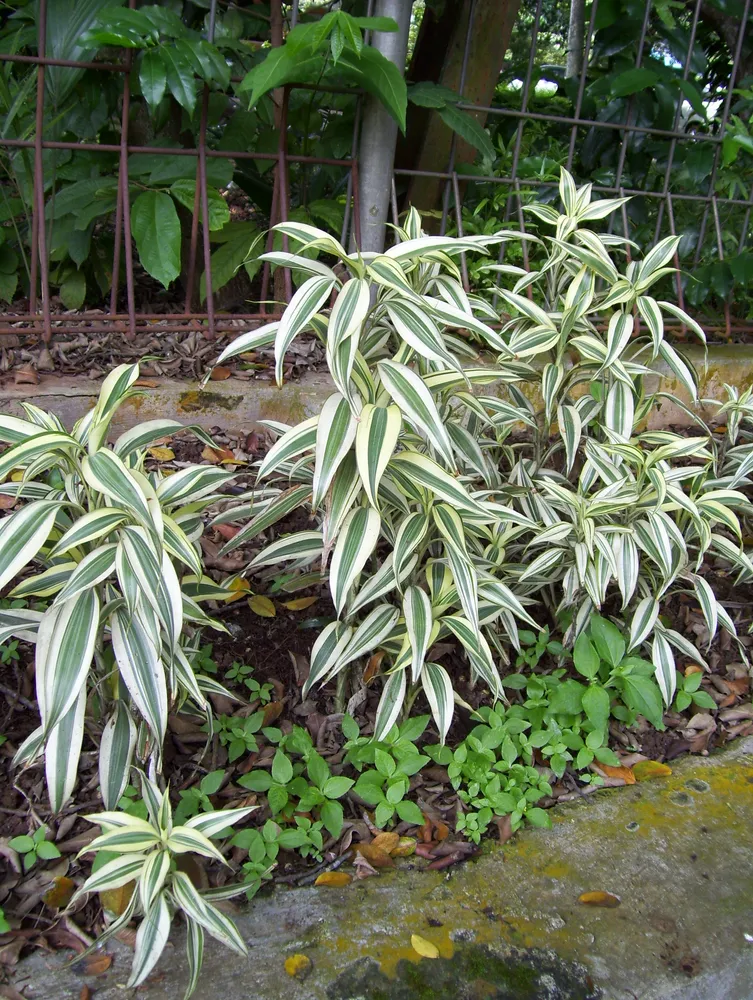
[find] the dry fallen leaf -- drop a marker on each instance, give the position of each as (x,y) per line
(298,966)
(59,896)
(693,668)
(96,964)
(335,879)
(85,994)
(300,603)
(372,667)
(145,383)
(375,856)
(219,374)
(239,587)
(424,948)
(644,770)
(26,376)
(262,606)
(618,772)
(162,454)
(272,711)
(606,899)
(8,503)
(386,841)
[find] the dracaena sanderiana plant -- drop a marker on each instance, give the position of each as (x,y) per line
(115,551)
(454,493)
(146,854)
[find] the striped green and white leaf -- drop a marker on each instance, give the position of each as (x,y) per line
(209,917)
(115,754)
(302,546)
(571,428)
(306,302)
(62,752)
(280,507)
(420,626)
(151,938)
(415,326)
(390,704)
(330,645)
(437,687)
(409,391)
(88,528)
(295,441)
(44,584)
(23,534)
(357,541)
(106,473)
(335,434)
(372,631)
(376,436)
(141,669)
(664,666)
(427,473)
(383,581)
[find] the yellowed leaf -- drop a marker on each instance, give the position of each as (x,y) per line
(262,606)
(424,948)
(405,847)
(375,856)
(335,879)
(116,900)
(16,476)
(693,668)
(59,896)
(298,966)
(239,586)
(618,772)
(645,770)
(386,842)
(162,454)
(606,899)
(300,603)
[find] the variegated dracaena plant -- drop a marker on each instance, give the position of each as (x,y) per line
(111,541)
(437,518)
(146,851)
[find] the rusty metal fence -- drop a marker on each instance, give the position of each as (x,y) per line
(40,319)
(210,321)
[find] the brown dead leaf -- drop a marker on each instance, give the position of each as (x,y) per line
(8,503)
(61,893)
(162,454)
(8,992)
(298,966)
(599,898)
(645,770)
(386,842)
(145,383)
(372,667)
(262,606)
(693,668)
(375,856)
(334,879)
(272,711)
(26,376)
(625,773)
(227,531)
(219,374)
(739,685)
(736,714)
(504,826)
(300,603)
(363,868)
(85,994)
(95,964)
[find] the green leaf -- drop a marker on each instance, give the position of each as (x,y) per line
(180,77)
(152,77)
(468,128)
(73,290)
(409,813)
(633,80)
(567,698)
(331,814)
(585,658)
(156,230)
(380,77)
(596,705)
(643,696)
(184,191)
(282,769)
(608,640)
(336,787)
(280,66)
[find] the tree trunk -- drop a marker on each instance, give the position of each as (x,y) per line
(438,57)
(575,38)
(379,133)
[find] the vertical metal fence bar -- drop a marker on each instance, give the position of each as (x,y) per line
(38,236)
(723,125)
(582,83)
(720,251)
(676,122)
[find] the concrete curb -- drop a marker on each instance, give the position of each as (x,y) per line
(237,405)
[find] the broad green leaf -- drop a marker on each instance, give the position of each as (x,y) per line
(180,77)
(152,77)
(156,229)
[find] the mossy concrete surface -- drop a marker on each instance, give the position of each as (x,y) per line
(238,405)
(677,851)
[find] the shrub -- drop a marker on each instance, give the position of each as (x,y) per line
(111,540)
(448,513)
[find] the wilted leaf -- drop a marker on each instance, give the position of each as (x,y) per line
(96,964)
(239,586)
(59,896)
(625,773)
(298,966)
(162,454)
(115,901)
(262,606)
(372,667)
(226,530)
(26,376)
(424,948)
(693,668)
(300,603)
(272,711)
(645,770)
(220,456)
(335,879)
(375,856)
(8,503)
(607,899)
(219,374)
(146,383)
(386,842)
(405,847)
